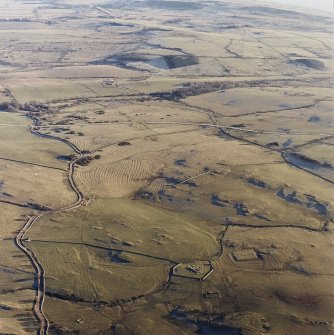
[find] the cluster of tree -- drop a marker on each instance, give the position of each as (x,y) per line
(191,89)
(32,106)
(69,157)
(9,106)
(63,296)
(84,161)
(16,19)
(123,143)
(39,207)
(142,194)
(78,117)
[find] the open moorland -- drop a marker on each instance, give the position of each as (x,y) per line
(166,167)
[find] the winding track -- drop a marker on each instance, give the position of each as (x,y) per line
(40,290)
(20,237)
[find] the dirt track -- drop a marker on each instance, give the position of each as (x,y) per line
(20,237)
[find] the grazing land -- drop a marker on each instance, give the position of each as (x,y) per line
(166,167)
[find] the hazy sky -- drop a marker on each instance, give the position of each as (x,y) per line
(326,5)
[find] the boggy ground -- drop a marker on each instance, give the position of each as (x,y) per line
(200,146)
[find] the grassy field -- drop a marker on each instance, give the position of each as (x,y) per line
(110,223)
(189,116)
(87,273)
(30,180)
(17,143)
